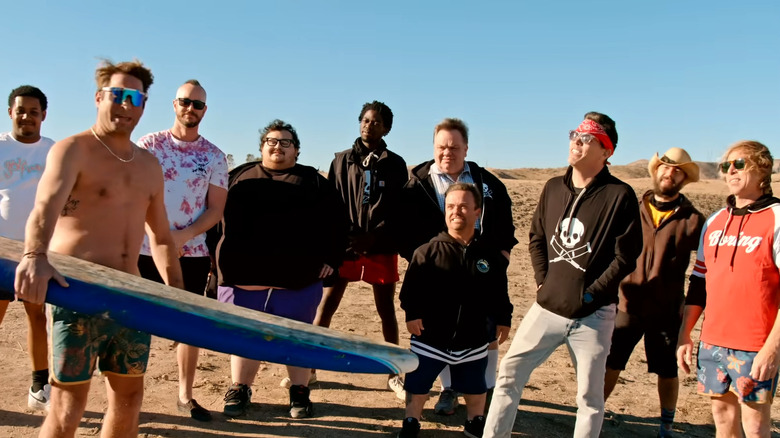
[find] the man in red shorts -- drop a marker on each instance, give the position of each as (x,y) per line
(369,178)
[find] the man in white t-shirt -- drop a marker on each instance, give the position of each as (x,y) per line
(23,156)
(196,177)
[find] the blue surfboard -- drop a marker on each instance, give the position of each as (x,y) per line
(195,320)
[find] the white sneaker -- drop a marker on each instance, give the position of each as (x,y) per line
(396,384)
(39,399)
(287,383)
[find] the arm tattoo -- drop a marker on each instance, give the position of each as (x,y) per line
(70,206)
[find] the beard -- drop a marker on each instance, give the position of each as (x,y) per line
(189,123)
(669,190)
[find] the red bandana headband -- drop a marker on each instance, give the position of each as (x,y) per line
(590,127)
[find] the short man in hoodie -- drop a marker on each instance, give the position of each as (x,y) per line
(454,283)
(424,195)
(585,237)
(651,298)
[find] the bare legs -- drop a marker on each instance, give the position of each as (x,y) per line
(732,417)
(384,298)
(37,342)
(68,402)
(187,358)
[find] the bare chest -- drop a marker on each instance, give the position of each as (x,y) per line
(113,184)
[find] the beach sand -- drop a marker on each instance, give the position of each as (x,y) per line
(356,405)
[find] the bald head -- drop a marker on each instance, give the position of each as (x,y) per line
(190,89)
(190,104)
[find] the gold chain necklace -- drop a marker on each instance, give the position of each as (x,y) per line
(112,152)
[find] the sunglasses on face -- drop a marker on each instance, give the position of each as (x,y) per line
(584,138)
(197,104)
(283,142)
(121,95)
(739,164)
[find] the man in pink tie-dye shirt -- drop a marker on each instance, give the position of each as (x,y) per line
(196,177)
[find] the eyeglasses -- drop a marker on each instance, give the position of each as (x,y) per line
(584,138)
(197,104)
(137,97)
(283,142)
(739,164)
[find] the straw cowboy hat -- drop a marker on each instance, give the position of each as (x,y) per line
(676,157)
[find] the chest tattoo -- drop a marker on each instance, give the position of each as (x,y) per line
(70,206)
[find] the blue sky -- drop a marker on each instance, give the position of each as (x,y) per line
(693,74)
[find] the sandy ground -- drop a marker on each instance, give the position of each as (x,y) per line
(356,405)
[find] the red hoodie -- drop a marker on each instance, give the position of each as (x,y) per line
(739,257)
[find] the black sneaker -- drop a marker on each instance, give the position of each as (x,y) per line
(474,427)
(195,410)
(410,428)
(300,405)
(237,400)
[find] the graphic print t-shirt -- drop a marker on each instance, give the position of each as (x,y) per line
(188,169)
(22,166)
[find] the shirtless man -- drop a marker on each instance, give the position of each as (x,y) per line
(96,192)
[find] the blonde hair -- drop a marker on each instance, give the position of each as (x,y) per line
(758,157)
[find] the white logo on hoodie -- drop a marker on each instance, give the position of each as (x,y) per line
(750,243)
(566,240)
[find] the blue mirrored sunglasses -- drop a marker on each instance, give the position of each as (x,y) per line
(137,97)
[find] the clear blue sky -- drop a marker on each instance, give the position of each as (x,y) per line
(694,74)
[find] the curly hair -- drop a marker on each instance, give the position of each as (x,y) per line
(383,110)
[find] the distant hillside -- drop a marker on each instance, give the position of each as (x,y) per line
(637,169)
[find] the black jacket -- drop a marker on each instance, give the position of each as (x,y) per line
(425,219)
(583,244)
(370,184)
(279,228)
(454,289)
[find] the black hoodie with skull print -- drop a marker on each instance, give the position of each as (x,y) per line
(583,242)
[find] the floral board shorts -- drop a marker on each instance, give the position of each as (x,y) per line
(723,369)
(79,342)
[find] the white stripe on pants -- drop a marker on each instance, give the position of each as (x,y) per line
(540,333)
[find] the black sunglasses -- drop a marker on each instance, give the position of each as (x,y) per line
(739,164)
(197,104)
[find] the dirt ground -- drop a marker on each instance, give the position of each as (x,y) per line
(357,405)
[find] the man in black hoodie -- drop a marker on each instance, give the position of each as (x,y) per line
(453,285)
(585,238)
(424,195)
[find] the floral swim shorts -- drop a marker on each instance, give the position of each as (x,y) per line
(79,342)
(723,369)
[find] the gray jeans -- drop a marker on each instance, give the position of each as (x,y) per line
(540,333)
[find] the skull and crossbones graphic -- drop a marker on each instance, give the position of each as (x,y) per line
(566,240)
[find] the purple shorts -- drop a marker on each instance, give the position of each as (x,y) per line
(299,304)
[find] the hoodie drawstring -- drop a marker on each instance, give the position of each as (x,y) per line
(722,233)
(571,212)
